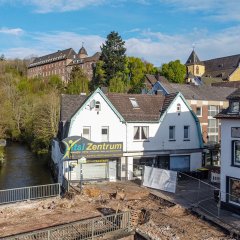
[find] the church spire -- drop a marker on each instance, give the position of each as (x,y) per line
(193,58)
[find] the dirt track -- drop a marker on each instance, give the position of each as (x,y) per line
(158,218)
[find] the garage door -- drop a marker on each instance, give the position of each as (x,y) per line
(95,171)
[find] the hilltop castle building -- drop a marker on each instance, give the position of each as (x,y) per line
(61,64)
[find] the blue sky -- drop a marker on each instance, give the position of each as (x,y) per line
(157,31)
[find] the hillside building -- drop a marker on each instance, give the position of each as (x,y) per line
(61,63)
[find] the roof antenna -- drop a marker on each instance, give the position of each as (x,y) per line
(82,44)
(193,46)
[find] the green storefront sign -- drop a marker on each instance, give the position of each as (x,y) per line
(76,147)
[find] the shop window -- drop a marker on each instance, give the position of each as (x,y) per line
(234,191)
(171,133)
(87,133)
(105,134)
(141,133)
(236,153)
(199,111)
(186,132)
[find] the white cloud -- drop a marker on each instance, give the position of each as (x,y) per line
(215,9)
(159,48)
(155,47)
(45,6)
(12,31)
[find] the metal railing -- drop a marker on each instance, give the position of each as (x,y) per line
(118,223)
(29,193)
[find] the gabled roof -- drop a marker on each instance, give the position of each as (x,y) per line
(69,105)
(78,60)
(193,59)
(202,92)
(221,67)
(151,107)
(234,95)
(232,84)
(53,57)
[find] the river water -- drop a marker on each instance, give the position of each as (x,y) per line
(22,168)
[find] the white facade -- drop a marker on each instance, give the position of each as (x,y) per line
(156,144)
(228,169)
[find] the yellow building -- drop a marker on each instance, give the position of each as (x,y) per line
(223,69)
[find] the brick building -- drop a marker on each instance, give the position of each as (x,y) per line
(61,63)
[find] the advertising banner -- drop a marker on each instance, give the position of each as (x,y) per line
(76,147)
(161,179)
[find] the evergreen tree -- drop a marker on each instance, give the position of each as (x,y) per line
(78,82)
(113,56)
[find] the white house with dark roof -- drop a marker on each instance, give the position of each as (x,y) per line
(206,101)
(110,136)
(230,152)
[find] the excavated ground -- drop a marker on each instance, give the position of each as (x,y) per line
(152,216)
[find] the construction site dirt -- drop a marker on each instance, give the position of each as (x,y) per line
(151,215)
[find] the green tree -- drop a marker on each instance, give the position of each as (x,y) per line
(78,82)
(136,69)
(98,76)
(174,71)
(117,84)
(113,56)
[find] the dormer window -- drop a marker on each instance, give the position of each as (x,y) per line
(134,102)
(234,107)
(97,106)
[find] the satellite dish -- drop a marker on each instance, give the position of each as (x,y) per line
(92,104)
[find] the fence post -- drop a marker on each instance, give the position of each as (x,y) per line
(198,193)
(29,193)
(129,221)
(93,229)
(49,235)
(219,203)
(59,189)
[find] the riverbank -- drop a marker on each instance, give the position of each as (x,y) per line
(2,156)
(152,216)
(22,168)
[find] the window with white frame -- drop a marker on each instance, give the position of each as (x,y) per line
(171,132)
(213,126)
(236,153)
(97,106)
(134,102)
(199,111)
(178,107)
(235,107)
(105,134)
(234,191)
(141,133)
(87,133)
(186,132)
(213,110)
